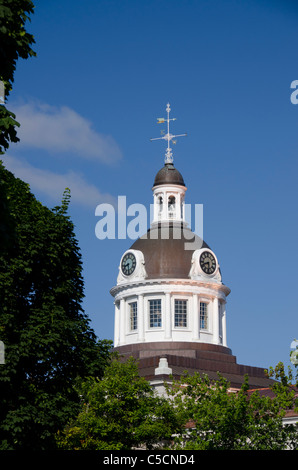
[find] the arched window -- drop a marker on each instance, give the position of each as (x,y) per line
(171,207)
(160,204)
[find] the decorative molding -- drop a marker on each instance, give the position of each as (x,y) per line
(194,286)
(163,367)
(196,270)
(138,274)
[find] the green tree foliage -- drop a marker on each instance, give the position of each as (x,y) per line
(48,341)
(119,412)
(15,43)
(215,418)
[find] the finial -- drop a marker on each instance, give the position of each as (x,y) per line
(168,136)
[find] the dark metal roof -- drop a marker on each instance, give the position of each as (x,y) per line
(203,358)
(168,175)
(165,250)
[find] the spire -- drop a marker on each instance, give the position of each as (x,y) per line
(168,136)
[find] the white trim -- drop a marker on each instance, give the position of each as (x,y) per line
(210,287)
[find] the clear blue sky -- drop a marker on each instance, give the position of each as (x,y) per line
(88,104)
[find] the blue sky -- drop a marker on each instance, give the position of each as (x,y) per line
(88,104)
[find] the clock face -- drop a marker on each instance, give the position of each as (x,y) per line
(207,262)
(128,264)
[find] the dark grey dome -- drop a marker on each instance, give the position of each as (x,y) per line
(165,253)
(168,175)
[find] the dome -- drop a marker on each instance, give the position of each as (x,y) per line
(166,257)
(168,175)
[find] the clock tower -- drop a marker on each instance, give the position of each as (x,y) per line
(170,299)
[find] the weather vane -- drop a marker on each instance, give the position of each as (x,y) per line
(169,137)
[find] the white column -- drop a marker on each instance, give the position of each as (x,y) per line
(155,208)
(165,206)
(178,207)
(215,321)
(141,317)
(183,209)
(224,325)
(117,325)
(182,206)
(122,321)
(196,316)
(168,317)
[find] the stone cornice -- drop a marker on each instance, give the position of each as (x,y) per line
(212,285)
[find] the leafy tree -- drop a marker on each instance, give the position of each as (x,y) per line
(48,340)
(119,412)
(215,418)
(15,43)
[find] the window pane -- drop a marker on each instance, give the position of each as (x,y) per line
(203,316)
(133,315)
(155,313)
(181,313)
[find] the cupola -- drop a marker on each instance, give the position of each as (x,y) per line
(170,301)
